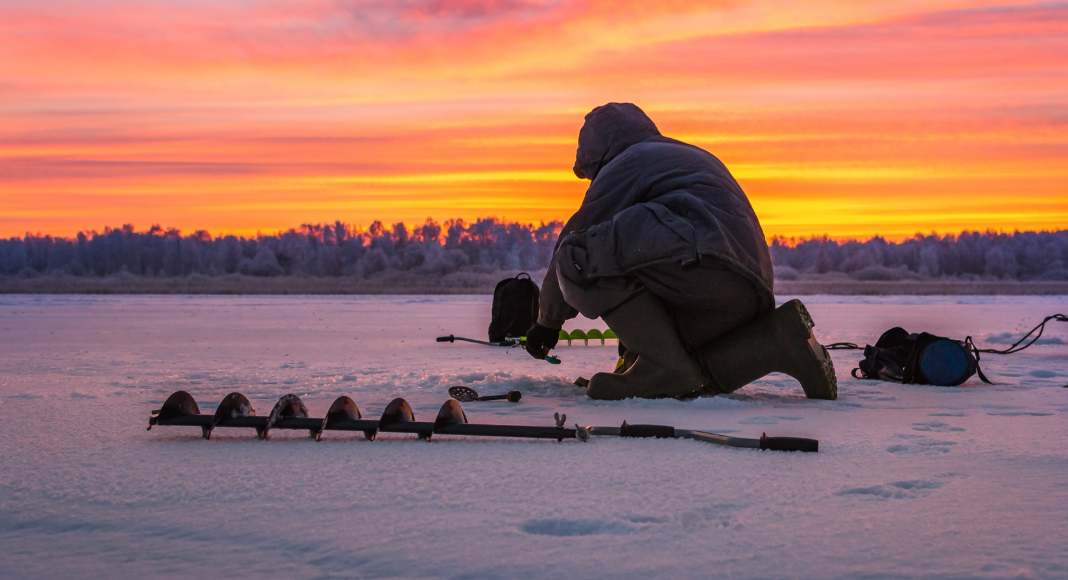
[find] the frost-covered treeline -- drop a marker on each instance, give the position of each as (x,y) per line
(490,244)
(311,250)
(970,255)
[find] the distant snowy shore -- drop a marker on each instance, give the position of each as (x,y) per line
(477,280)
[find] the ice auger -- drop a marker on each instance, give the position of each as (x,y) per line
(180,409)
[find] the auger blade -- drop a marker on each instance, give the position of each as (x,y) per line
(398,418)
(451,413)
(288,407)
(179,404)
(397,411)
(342,409)
(233,406)
(181,409)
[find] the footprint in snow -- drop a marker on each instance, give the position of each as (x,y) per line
(761,420)
(924,446)
(564,528)
(708,517)
(894,490)
(935,426)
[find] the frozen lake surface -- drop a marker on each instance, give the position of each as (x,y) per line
(910,481)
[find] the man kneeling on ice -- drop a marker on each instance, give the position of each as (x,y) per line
(667,250)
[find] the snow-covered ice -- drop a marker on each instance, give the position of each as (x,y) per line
(910,481)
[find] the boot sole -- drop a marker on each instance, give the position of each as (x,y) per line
(822,357)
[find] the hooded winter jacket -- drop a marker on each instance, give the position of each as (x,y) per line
(653,199)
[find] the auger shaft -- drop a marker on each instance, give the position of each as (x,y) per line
(412,427)
(477,430)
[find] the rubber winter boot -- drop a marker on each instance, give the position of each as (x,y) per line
(780,341)
(662,369)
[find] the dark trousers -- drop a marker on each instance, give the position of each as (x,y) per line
(705,302)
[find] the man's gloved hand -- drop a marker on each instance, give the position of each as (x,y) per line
(540,340)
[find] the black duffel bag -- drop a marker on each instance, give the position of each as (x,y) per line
(923,358)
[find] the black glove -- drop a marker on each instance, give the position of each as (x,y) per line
(540,340)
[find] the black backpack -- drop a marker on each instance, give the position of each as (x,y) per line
(515,307)
(922,358)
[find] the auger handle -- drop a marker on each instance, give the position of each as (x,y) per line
(449,338)
(659,431)
(789,444)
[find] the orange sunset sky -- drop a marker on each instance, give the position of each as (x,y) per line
(845,118)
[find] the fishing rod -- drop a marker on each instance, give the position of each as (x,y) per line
(235,410)
(513,341)
(578,334)
(505,342)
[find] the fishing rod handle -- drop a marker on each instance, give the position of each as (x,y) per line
(789,444)
(449,338)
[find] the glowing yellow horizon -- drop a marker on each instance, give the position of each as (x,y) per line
(850,120)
